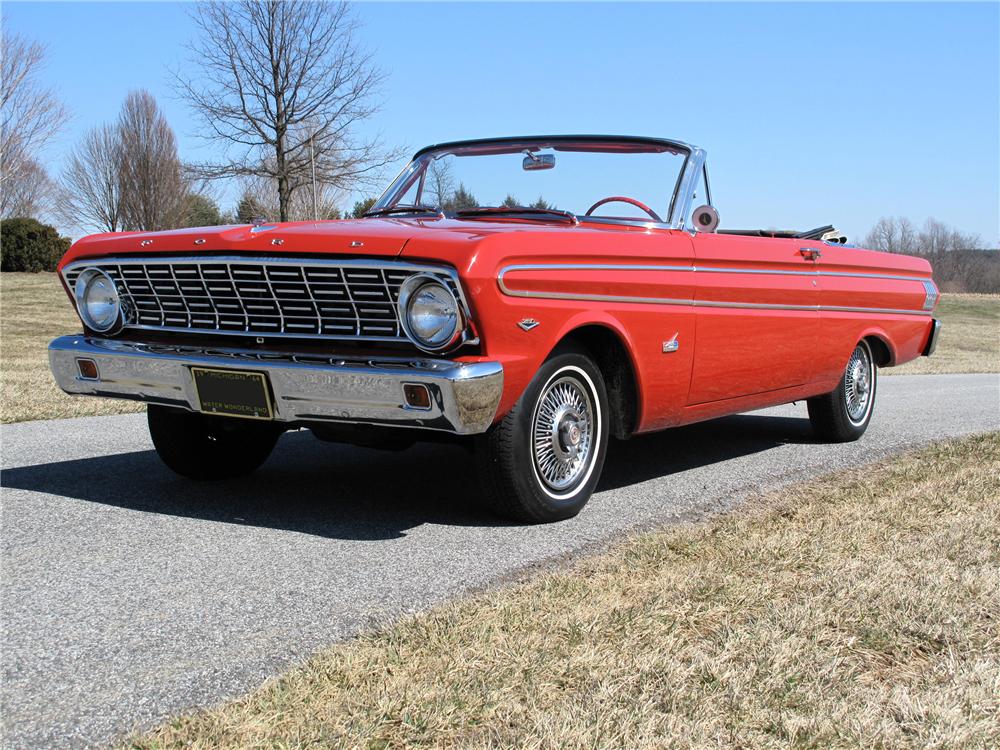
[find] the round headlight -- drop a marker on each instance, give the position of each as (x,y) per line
(430,313)
(97,300)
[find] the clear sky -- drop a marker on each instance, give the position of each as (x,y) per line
(810,113)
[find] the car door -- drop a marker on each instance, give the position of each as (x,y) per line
(756,316)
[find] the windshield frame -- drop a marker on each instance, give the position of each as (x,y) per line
(693,166)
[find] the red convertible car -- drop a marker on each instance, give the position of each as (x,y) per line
(530,296)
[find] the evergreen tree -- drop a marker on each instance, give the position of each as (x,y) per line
(201,211)
(248,210)
(362,207)
(461,199)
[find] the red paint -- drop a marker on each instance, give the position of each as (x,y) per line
(730,358)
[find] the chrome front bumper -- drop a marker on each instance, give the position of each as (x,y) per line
(464,396)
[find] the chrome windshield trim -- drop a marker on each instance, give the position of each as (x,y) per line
(679,206)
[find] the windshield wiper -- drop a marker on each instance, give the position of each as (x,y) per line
(517,211)
(406,210)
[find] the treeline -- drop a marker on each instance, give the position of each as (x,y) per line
(961,263)
(280,89)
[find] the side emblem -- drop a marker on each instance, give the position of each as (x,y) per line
(527,324)
(672,345)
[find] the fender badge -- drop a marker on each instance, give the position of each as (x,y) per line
(357,243)
(144,243)
(276,241)
(672,345)
(527,324)
(199,242)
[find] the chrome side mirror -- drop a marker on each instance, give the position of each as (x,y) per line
(534,162)
(706,218)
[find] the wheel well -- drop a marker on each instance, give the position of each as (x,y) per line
(880,350)
(610,355)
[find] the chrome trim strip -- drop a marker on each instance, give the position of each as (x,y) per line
(699,269)
(297,260)
(306,387)
(687,302)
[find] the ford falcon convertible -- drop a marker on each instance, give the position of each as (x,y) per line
(531,297)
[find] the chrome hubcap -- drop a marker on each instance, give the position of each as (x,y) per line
(562,434)
(858,384)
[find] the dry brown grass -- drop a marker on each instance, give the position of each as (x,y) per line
(34,310)
(970,337)
(862,610)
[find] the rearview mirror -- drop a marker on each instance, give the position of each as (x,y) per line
(533,162)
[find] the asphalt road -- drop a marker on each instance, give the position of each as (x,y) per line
(129,594)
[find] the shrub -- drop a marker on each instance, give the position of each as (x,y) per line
(29,245)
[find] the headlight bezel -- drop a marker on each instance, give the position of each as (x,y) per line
(408,293)
(83,284)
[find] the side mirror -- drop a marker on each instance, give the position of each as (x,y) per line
(706,218)
(534,162)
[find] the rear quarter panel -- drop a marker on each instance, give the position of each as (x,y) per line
(889,289)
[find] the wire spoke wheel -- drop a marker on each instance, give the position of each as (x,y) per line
(858,381)
(562,436)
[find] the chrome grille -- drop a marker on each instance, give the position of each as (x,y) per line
(271,297)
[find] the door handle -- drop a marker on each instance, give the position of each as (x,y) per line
(810,253)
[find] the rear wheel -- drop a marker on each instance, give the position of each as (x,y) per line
(843,414)
(542,462)
(200,446)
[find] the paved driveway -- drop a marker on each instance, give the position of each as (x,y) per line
(129,593)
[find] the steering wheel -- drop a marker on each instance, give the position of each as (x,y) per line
(625,199)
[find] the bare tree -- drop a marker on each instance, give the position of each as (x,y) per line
(153,190)
(30,116)
(884,236)
(29,193)
(92,182)
(440,181)
(283,85)
(126,175)
(262,193)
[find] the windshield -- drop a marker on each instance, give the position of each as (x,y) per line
(542,178)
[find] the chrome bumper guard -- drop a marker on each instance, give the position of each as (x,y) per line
(464,396)
(932,338)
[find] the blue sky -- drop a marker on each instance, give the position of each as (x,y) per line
(811,113)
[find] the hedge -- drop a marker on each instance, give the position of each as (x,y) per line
(29,245)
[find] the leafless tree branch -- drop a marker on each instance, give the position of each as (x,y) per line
(283,85)
(30,116)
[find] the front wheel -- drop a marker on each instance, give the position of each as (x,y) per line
(843,414)
(542,462)
(201,446)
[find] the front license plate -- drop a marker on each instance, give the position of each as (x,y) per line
(233,393)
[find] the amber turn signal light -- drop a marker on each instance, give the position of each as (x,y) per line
(417,396)
(87,368)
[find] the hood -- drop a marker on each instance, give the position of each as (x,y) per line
(370,237)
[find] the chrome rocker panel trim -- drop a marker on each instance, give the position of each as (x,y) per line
(464,396)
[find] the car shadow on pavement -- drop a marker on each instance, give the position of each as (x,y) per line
(343,492)
(658,454)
